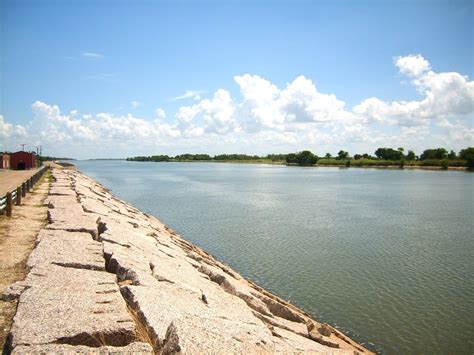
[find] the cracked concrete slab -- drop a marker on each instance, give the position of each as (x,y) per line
(60,247)
(71,305)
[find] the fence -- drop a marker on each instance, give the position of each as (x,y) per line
(14,196)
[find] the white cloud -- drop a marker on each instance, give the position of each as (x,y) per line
(160,113)
(301,101)
(20,131)
(264,105)
(445,95)
(266,118)
(91,55)
(412,65)
(135,104)
(218,113)
(189,94)
(214,115)
(5,128)
(10,135)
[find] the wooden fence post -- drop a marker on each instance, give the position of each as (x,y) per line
(23,189)
(9,204)
(18,196)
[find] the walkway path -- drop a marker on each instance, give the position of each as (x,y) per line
(17,239)
(10,179)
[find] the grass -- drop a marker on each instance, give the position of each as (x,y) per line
(142,332)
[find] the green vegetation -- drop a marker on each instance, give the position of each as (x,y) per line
(438,153)
(389,153)
(468,155)
(236,158)
(304,158)
(48,158)
(155,158)
(342,155)
(383,157)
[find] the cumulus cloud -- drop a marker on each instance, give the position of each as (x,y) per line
(87,135)
(5,128)
(445,95)
(412,65)
(265,118)
(11,134)
(265,105)
(135,104)
(214,115)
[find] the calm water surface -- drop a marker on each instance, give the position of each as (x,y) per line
(384,255)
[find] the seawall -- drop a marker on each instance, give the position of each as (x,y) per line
(105,277)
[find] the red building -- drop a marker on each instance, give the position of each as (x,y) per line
(22,160)
(4,161)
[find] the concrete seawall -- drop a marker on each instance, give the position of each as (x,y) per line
(105,277)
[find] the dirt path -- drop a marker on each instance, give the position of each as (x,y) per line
(10,179)
(17,239)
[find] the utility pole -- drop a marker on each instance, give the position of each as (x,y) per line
(23,146)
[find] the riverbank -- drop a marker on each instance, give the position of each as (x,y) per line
(105,274)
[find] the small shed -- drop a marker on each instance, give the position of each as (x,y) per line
(5,161)
(22,160)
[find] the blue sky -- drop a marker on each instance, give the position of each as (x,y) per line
(129,58)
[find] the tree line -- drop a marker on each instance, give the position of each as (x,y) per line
(199,157)
(381,156)
(388,156)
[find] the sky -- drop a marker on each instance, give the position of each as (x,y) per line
(97,79)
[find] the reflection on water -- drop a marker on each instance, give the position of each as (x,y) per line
(386,255)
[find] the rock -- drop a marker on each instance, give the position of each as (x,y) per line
(62,190)
(64,202)
(131,349)
(314,335)
(92,205)
(171,342)
(68,249)
(295,327)
(200,327)
(14,291)
(279,309)
(287,341)
(72,221)
(74,306)
(324,330)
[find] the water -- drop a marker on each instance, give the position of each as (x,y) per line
(384,255)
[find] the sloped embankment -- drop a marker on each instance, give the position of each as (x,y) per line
(106,277)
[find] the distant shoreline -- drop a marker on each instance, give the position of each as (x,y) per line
(342,165)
